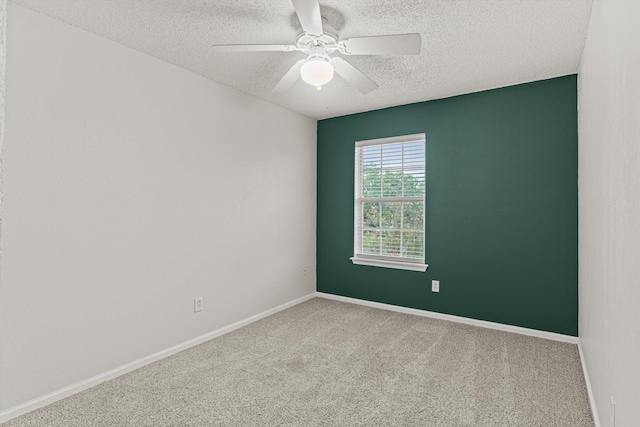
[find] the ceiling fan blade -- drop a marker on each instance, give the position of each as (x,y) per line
(308,12)
(289,78)
(394,44)
(353,76)
(253,48)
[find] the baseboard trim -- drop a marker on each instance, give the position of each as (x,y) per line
(54,396)
(458,319)
(592,400)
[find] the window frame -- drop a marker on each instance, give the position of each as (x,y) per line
(386,261)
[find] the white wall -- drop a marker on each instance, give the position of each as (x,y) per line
(609,212)
(130,187)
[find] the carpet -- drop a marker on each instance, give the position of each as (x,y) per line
(329,363)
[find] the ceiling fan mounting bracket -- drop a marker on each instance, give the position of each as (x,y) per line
(342,48)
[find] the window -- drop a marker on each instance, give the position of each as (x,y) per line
(389,202)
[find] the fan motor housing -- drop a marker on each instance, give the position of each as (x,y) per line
(328,40)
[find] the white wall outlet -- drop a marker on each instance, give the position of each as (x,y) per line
(435,286)
(197,304)
(304,270)
(613,412)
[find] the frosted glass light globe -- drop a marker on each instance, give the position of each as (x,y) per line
(316,72)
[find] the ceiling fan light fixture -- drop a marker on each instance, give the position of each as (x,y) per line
(319,40)
(317,71)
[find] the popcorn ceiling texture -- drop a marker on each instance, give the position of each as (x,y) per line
(467,45)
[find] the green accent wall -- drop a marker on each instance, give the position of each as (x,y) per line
(501,206)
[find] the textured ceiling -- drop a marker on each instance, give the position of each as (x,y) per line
(467,45)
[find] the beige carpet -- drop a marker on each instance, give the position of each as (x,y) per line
(327,363)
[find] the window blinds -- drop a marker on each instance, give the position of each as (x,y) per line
(389,198)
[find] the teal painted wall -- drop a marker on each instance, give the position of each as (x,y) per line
(501,209)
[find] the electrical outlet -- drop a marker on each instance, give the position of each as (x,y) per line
(613,412)
(435,286)
(304,270)
(197,304)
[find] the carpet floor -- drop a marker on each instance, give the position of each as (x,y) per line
(328,363)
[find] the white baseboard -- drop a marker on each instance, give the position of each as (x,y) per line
(54,396)
(482,323)
(592,401)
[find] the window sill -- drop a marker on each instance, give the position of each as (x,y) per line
(390,264)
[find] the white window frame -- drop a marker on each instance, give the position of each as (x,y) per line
(397,262)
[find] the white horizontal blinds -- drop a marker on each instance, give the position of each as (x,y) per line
(389,205)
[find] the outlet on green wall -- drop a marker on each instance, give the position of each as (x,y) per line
(501,209)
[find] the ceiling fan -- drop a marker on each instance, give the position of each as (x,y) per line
(318,40)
